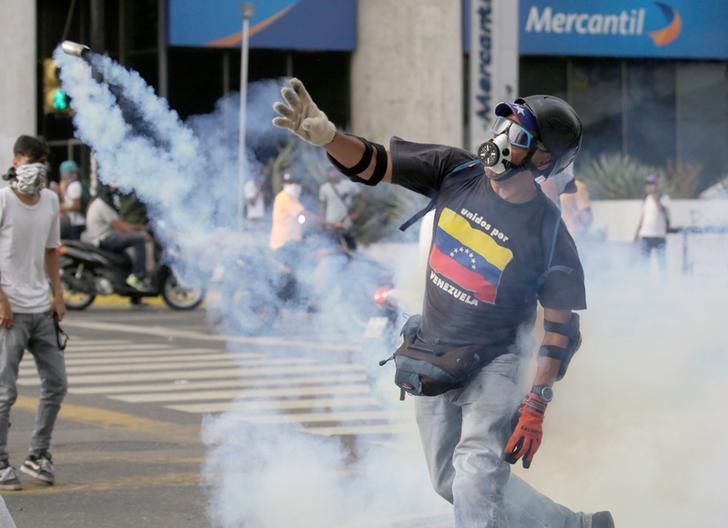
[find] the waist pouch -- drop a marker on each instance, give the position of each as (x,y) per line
(424,372)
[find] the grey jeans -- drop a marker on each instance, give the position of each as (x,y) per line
(463,433)
(37,334)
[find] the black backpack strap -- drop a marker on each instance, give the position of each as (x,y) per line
(431,204)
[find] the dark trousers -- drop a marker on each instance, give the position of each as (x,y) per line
(656,244)
(74,231)
(120,241)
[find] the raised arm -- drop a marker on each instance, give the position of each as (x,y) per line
(356,157)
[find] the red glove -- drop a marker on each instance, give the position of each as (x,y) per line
(527,431)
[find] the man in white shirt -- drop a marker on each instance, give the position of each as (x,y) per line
(106,229)
(341,204)
(29,236)
(654,222)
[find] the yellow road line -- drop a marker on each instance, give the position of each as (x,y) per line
(136,482)
(118,300)
(151,456)
(113,419)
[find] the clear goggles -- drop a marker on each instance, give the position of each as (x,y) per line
(517,135)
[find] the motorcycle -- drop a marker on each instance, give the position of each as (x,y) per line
(250,295)
(88,271)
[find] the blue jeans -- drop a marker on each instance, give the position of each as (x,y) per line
(118,242)
(656,244)
(37,334)
(463,433)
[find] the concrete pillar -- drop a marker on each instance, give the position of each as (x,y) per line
(18,81)
(407,71)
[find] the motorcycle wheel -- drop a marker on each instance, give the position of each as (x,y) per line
(247,313)
(76,299)
(177,297)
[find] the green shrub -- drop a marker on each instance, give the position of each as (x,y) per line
(616,177)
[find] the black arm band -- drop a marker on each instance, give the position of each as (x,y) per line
(563,354)
(555,352)
(380,164)
(380,167)
(558,328)
(361,166)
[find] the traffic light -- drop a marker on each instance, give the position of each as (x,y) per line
(55,100)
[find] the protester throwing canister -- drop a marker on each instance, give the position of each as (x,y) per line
(499,246)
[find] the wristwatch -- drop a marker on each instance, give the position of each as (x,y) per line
(545,392)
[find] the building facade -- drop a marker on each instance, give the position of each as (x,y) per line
(649,79)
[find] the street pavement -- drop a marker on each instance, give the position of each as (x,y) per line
(127,446)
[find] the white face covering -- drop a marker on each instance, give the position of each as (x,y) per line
(30,178)
(293,190)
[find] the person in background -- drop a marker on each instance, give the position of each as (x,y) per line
(71,192)
(654,222)
(576,211)
(289,215)
(342,202)
(255,210)
(29,274)
(106,229)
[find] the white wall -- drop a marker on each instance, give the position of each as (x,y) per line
(407,71)
(618,218)
(18,79)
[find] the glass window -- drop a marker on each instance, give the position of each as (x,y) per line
(649,126)
(595,92)
(702,118)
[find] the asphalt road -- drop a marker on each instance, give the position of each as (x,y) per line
(127,446)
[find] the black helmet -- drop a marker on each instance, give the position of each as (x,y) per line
(559,129)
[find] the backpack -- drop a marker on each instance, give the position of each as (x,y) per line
(423,372)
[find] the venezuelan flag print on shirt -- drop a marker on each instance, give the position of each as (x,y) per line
(468,257)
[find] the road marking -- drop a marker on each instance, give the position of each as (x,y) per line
(204,374)
(327,399)
(80,341)
(168,480)
(105,418)
(167,332)
(317,417)
(116,347)
(264,405)
(219,384)
(151,353)
(163,359)
(252,393)
(356,430)
(200,363)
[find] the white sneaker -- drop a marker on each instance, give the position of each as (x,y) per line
(39,467)
(9,480)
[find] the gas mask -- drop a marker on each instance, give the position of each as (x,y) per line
(30,178)
(293,190)
(496,154)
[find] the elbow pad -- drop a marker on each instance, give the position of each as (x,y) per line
(380,164)
(563,354)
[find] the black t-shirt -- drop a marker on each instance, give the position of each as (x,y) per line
(488,258)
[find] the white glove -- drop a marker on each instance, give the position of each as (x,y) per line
(302,116)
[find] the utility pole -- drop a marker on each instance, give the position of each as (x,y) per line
(246,11)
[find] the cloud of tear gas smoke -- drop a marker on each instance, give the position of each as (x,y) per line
(258,474)
(636,426)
